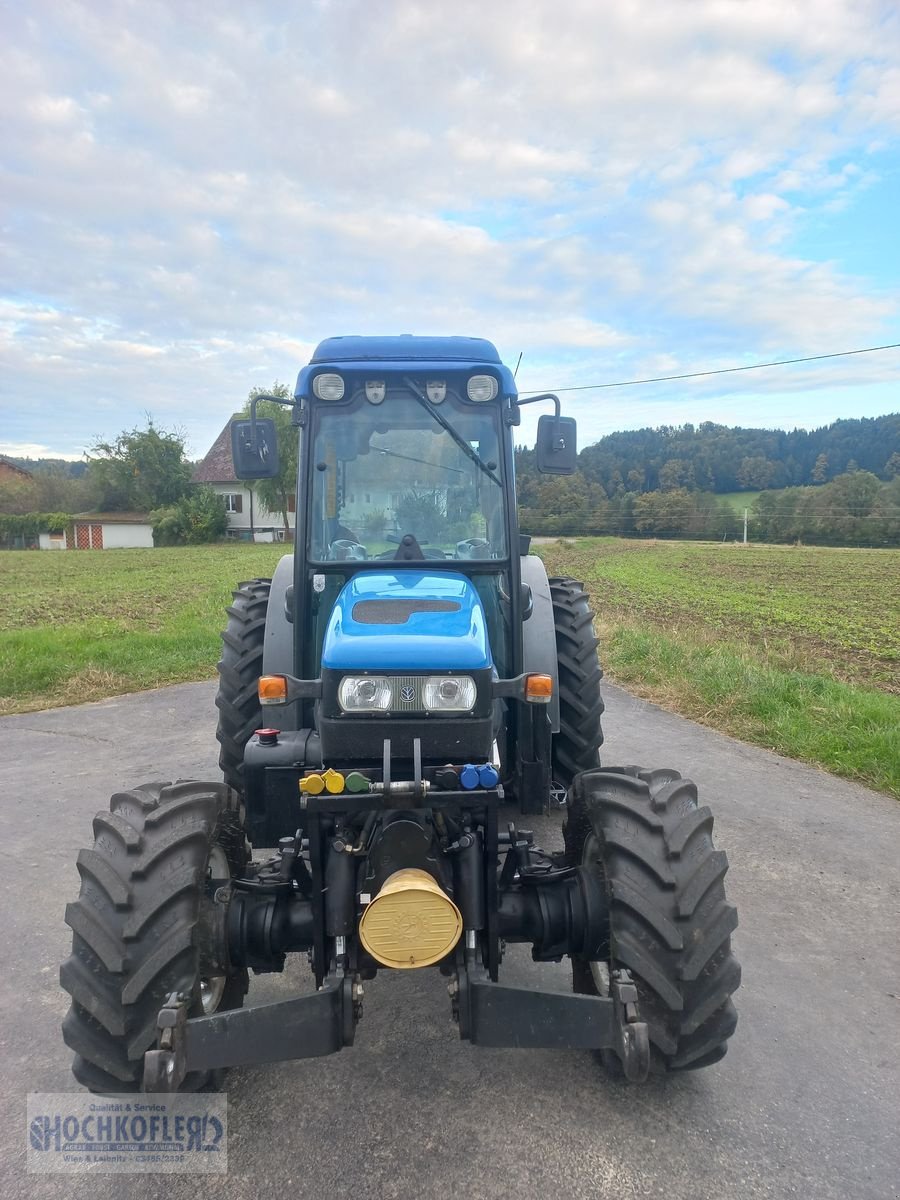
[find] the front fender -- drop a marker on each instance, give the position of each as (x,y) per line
(539,631)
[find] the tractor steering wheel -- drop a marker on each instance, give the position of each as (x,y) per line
(343,549)
(476,547)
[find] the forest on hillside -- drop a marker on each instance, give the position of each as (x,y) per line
(718,458)
(836,485)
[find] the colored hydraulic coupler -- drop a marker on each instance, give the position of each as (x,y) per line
(468,777)
(357,782)
(488,776)
(317,782)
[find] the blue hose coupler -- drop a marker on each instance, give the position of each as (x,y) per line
(469,777)
(488,776)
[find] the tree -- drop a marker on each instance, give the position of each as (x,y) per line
(141,470)
(756,472)
(886,512)
(666,513)
(59,491)
(775,515)
(423,513)
(820,470)
(275,493)
(676,474)
(18,495)
(195,519)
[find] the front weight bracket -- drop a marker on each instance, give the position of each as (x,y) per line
(306,1026)
(633,1037)
(166,1066)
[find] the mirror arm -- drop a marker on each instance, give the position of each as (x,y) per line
(545,396)
(542,396)
(288,403)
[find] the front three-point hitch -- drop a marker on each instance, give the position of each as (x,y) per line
(434,882)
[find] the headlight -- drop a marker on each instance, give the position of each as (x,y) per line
(443,694)
(481,387)
(369,693)
(329,387)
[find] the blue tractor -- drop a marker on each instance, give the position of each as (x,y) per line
(408,681)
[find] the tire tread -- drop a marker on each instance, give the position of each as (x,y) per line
(135,922)
(670,923)
(577,745)
(239,668)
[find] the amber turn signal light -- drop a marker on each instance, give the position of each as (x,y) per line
(538,689)
(272,689)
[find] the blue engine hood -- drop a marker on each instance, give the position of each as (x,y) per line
(406,621)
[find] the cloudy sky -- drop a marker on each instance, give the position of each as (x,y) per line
(195,193)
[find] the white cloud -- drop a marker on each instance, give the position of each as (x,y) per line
(34,450)
(195,196)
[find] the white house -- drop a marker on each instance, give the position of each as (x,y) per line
(248,520)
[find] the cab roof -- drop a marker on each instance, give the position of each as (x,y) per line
(434,357)
(406,347)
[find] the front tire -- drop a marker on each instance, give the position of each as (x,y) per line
(144,925)
(240,667)
(669,922)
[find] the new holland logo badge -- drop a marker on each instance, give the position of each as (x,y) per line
(407,694)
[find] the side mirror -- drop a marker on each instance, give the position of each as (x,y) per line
(557,448)
(254,452)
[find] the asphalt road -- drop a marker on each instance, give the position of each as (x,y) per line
(805,1104)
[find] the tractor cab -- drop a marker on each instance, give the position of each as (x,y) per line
(407,473)
(410,596)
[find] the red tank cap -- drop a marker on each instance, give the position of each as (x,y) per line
(268,737)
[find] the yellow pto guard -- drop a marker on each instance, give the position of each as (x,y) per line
(411,922)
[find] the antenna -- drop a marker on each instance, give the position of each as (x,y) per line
(518,360)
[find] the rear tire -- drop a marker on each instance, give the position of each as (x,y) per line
(669,922)
(577,745)
(144,926)
(240,667)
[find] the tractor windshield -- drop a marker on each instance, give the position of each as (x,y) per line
(383,471)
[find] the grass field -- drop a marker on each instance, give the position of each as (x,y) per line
(739,500)
(76,627)
(795,648)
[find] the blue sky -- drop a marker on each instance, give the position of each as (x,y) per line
(194,194)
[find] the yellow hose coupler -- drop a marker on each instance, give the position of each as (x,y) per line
(319,781)
(412,922)
(334,781)
(312,784)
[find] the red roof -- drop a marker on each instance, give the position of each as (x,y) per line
(6,465)
(218,466)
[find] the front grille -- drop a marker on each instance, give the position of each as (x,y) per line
(406,694)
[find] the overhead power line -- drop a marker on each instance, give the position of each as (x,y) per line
(782,362)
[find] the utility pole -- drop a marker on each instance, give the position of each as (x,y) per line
(745,526)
